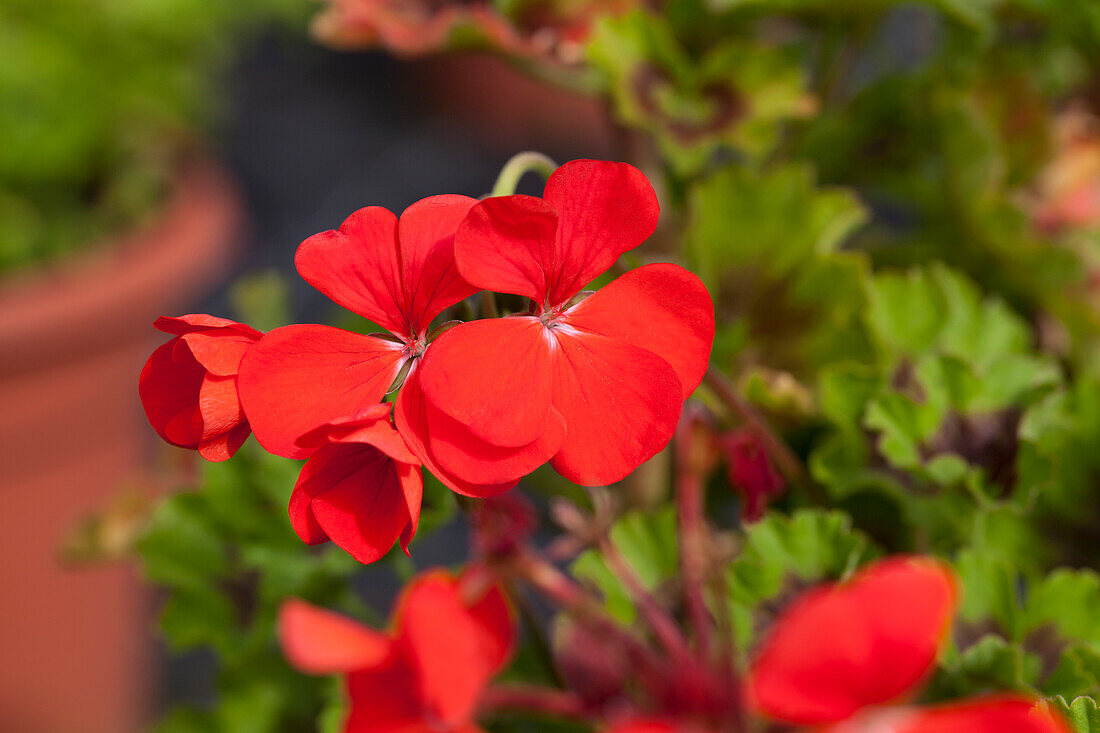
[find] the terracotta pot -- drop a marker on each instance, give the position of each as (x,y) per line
(72,342)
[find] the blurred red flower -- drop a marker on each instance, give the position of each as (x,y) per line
(595,386)
(360,488)
(750,471)
(842,651)
(449,637)
(188,386)
(1067,192)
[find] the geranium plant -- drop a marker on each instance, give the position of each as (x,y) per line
(789,423)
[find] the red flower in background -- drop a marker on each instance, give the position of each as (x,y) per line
(189,385)
(842,651)
(1067,192)
(750,471)
(360,488)
(551,28)
(450,636)
(410,27)
(596,386)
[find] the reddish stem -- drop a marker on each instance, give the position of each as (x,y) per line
(532,698)
(662,625)
(562,590)
(691,472)
(553,583)
(784,457)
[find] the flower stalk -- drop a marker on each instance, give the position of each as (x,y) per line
(535,699)
(518,166)
(789,463)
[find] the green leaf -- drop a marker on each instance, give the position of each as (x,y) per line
(1068,600)
(647,541)
(228,558)
(1077,673)
(1083,713)
(767,244)
(732,96)
(782,555)
(937,308)
(988,666)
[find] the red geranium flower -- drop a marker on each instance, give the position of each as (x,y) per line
(843,651)
(399,274)
(595,386)
(750,471)
(189,385)
(449,637)
(360,488)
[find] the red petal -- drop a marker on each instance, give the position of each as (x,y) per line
(319,641)
(224,446)
(358,499)
(371,426)
(604,209)
(453,649)
(493,376)
(426,234)
(494,616)
(412,484)
(661,308)
(169,391)
(302,520)
(219,406)
(177,326)
(411,416)
(845,647)
(507,245)
(1000,714)
(620,405)
(357,267)
(469,458)
(220,352)
(297,378)
(384,700)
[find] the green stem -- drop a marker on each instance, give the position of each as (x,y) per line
(520,164)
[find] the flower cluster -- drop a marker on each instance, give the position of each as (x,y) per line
(449,636)
(848,658)
(842,658)
(592,383)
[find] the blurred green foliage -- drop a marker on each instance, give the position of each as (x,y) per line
(866,187)
(228,557)
(99,99)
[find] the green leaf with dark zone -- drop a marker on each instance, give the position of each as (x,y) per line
(1059,463)
(1083,713)
(1051,616)
(767,244)
(988,666)
(696,105)
(1077,673)
(935,308)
